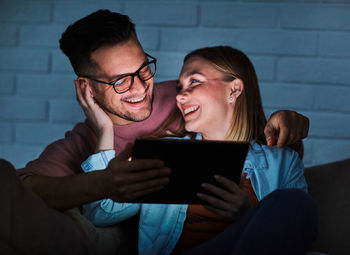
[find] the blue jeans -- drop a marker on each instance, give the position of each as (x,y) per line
(284,222)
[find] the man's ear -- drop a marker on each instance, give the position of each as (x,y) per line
(83,84)
(82,81)
(236,89)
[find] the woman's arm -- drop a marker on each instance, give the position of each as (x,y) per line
(99,119)
(103,212)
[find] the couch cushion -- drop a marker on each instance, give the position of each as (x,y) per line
(329,185)
(118,239)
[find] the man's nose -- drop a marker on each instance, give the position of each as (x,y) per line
(138,85)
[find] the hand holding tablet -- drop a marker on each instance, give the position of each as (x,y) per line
(192,162)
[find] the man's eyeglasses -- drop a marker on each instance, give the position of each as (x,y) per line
(125,82)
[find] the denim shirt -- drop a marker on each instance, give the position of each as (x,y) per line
(160,226)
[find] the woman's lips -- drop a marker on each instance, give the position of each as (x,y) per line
(189,109)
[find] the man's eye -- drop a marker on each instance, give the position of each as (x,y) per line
(146,69)
(119,82)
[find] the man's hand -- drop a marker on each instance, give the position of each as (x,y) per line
(286,128)
(127,180)
(229,201)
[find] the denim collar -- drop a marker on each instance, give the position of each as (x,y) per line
(256,157)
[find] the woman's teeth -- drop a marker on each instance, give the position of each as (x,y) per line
(191,109)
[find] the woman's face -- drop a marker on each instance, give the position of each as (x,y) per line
(204,99)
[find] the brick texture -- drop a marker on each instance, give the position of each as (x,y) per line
(39,133)
(311,16)
(157,13)
(300,50)
(9,34)
(238,15)
(23,59)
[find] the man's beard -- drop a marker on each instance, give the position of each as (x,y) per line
(132,116)
(135,117)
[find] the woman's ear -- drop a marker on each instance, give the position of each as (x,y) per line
(236,89)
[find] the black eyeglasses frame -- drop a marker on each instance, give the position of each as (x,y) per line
(136,73)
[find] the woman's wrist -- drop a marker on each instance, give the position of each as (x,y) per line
(105,139)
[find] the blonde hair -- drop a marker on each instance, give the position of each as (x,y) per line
(249,119)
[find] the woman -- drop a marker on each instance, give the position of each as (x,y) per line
(219,99)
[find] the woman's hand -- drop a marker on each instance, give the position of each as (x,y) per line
(229,201)
(96,115)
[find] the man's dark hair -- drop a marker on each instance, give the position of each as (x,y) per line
(101,28)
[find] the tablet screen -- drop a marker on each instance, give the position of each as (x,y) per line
(192,162)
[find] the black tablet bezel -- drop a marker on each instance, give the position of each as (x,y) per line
(192,162)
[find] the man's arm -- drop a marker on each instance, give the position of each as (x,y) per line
(122,180)
(66,192)
(286,128)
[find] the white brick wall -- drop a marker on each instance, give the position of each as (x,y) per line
(301,51)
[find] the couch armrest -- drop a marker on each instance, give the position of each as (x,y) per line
(329,185)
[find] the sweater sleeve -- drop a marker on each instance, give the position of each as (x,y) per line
(63,157)
(106,211)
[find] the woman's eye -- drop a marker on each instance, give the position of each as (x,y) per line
(194,81)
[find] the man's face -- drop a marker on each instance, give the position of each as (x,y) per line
(114,61)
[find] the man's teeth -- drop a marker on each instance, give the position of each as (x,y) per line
(191,109)
(135,100)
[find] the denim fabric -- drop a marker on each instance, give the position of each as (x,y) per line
(160,227)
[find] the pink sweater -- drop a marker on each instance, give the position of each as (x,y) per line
(64,157)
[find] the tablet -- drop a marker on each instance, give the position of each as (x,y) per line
(192,162)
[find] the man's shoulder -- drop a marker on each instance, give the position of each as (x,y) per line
(165,95)
(167,83)
(83,129)
(166,87)
(81,137)
(64,156)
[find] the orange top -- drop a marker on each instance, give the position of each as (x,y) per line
(202,225)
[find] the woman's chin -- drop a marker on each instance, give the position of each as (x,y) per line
(191,128)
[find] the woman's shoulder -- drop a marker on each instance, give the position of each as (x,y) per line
(273,150)
(272,155)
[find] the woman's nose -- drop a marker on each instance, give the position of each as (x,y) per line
(181,96)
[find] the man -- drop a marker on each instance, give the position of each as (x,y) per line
(110,64)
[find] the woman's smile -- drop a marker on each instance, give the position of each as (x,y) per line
(189,109)
(203,99)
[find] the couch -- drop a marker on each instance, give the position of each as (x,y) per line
(328,184)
